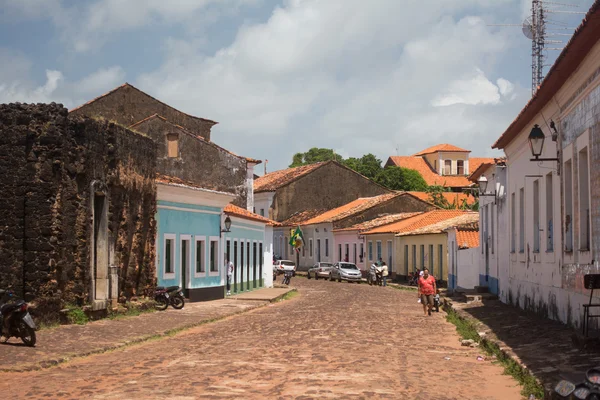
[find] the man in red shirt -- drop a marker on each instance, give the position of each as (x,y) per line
(427,289)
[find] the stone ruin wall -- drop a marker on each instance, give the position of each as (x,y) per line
(49,160)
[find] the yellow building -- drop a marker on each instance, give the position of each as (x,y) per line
(417,242)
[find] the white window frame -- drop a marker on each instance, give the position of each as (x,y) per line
(203,240)
(173,237)
(187,238)
(217,261)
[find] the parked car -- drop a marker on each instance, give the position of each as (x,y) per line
(283,265)
(344,271)
(319,270)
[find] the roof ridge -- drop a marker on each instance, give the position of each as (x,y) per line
(127,84)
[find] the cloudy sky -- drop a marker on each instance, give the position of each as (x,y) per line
(388,77)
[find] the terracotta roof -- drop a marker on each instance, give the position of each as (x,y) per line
(174,181)
(200,138)
(243,213)
(374,223)
(442,225)
(276,179)
(417,222)
(475,162)
(451,197)
(584,38)
(441,147)
(431,177)
(354,207)
(153,98)
(467,235)
(301,216)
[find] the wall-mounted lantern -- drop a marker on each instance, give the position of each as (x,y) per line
(227,225)
(536,142)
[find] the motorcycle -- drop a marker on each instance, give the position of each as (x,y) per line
(18,320)
(374,277)
(436,302)
(586,390)
(173,295)
(287,276)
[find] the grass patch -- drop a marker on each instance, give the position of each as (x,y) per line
(76,315)
(290,295)
(132,310)
(468,330)
(407,288)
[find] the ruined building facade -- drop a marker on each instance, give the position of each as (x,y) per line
(77,211)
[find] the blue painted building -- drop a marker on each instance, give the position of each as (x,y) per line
(189,242)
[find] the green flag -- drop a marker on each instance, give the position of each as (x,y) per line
(296,238)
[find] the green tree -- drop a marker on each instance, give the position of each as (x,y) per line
(368,165)
(436,196)
(313,156)
(397,178)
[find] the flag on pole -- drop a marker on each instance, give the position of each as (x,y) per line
(296,238)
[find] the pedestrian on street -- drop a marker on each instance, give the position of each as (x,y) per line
(384,273)
(379,262)
(427,289)
(229,276)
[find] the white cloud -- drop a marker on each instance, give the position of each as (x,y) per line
(471,91)
(355,76)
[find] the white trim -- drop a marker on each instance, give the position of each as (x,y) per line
(217,258)
(247,228)
(237,219)
(188,238)
(189,195)
(199,238)
(188,209)
(173,237)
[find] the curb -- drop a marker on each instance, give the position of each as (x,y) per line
(48,363)
(271,300)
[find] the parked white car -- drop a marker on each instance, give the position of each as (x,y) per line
(283,265)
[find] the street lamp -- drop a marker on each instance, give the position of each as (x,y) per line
(536,144)
(227,225)
(483,182)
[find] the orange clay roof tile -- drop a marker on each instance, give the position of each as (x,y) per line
(441,147)
(417,222)
(451,197)
(442,225)
(276,179)
(243,213)
(352,208)
(383,220)
(175,181)
(431,177)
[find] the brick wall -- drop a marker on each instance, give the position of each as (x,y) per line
(327,187)
(50,162)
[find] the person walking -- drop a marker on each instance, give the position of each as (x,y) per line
(427,289)
(229,276)
(384,273)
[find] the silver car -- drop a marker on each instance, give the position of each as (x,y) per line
(319,270)
(344,271)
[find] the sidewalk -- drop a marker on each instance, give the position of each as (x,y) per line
(57,345)
(543,346)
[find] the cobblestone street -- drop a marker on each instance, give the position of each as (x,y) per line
(334,340)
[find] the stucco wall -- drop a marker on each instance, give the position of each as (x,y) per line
(199,161)
(436,240)
(329,186)
(352,238)
(463,268)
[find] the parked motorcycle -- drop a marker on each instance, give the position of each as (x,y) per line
(374,277)
(586,390)
(436,302)
(287,276)
(173,295)
(18,321)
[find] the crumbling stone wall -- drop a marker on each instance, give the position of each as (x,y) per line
(327,187)
(199,161)
(127,105)
(50,162)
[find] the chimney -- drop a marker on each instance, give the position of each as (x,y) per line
(266,162)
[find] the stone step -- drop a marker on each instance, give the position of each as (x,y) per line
(482,289)
(471,297)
